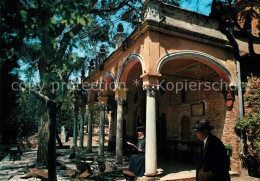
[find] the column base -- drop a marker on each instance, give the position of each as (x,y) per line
(150,174)
(145,178)
(89,151)
(74,146)
(120,163)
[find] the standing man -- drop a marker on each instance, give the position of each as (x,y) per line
(215,163)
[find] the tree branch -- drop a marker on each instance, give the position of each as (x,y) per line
(244,31)
(67,78)
(36,93)
(100,11)
(223,26)
(64,43)
(251,46)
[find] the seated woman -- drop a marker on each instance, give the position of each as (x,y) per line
(137,161)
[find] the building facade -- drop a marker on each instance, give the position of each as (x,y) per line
(174,69)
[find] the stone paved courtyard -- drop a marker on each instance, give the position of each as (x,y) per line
(173,170)
(14,170)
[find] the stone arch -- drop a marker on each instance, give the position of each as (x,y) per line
(207,59)
(130,58)
(106,76)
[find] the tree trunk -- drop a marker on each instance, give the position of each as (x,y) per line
(46,154)
(42,152)
(52,141)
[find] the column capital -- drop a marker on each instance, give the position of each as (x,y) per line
(102,100)
(151,90)
(120,100)
(120,93)
(150,79)
(83,108)
(150,83)
(91,105)
(102,107)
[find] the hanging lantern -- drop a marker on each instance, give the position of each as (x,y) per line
(230,98)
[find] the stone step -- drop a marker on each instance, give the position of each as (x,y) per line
(188,176)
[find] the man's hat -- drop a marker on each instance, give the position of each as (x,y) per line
(140,129)
(202,125)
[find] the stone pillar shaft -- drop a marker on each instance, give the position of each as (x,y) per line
(75,129)
(101,130)
(150,141)
(81,133)
(90,117)
(119,131)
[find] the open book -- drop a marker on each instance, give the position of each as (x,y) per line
(132,145)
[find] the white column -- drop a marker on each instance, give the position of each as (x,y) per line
(119,130)
(75,126)
(150,138)
(81,133)
(110,131)
(90,116)
(101,130)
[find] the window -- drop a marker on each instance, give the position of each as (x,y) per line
(185,128)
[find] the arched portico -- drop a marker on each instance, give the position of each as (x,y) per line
(205,58)
(127,65)
(92,98)
(129,72)
(108,90)
(107,78)
(186,68)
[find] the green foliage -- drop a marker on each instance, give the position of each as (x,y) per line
(8,99)
(65,118)
(253,98)
(250,126)
(249,129)
(11,42)
(27,113)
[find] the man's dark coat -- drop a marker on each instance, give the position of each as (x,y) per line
(214,159)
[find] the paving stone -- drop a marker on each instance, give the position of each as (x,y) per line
(61,167)
(61,172)
(22,169)
(71,166)
(41,174)
(82,167)
(5,177)
(78,179)
(84,175)
(4,172)
(59,178)
(15,178)
(187,175)
(15,172)
(29,175)
(71,173)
